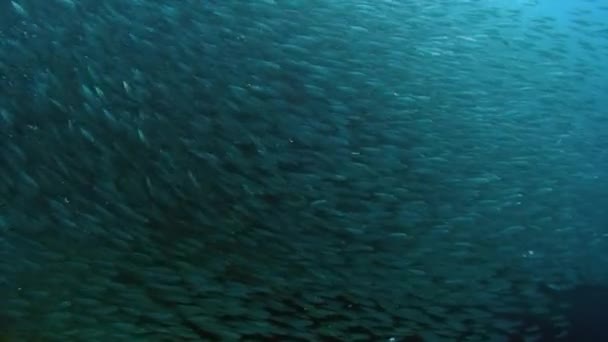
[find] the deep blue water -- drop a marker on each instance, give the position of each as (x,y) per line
(303,170)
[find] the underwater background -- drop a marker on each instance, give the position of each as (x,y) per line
(303,170)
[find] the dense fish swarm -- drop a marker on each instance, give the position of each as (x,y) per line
(297,170)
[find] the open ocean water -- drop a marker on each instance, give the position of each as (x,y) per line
(303,170)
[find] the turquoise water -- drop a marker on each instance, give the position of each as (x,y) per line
(303,170)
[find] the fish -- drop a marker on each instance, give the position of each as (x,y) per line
(345,170)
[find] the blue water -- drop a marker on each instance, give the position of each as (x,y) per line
(416,170)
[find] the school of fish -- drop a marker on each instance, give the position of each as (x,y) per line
(301,170)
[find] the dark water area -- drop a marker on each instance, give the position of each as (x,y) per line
(587,313)
(584,308)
